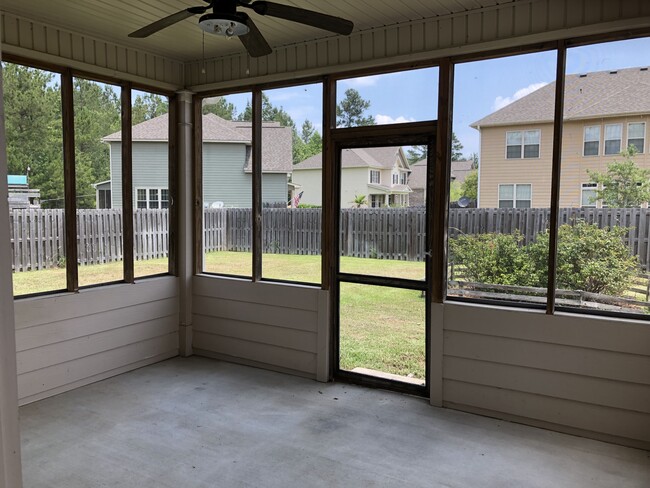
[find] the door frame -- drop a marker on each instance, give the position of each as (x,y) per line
(417,133)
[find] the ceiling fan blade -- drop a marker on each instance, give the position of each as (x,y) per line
(254,41)
(154,27)
(302,16)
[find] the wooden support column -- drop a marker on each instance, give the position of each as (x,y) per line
(555,176)
(329,202)
(173,180)
(127,185)
(70,181)
(10,463)
(438,170)
(181,124)
(257,185)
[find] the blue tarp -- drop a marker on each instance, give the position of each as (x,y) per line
(17,180)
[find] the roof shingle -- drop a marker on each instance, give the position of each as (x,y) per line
(591,95)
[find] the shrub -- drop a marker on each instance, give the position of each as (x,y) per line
(588,258)
(491,258)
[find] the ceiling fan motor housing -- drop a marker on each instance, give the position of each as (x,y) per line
(223,24)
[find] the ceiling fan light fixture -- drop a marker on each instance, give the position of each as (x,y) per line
(223,25)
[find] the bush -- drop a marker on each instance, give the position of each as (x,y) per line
(588,258)
(491,258)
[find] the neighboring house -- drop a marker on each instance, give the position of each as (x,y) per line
(227,164)
(604,112)
(417,180)
(379,173)
(20,195)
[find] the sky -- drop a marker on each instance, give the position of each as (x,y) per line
(480,87)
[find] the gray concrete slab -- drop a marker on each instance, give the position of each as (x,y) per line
(201,423)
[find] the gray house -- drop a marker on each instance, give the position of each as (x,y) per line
(227,164)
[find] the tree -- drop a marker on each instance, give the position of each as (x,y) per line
(624,184)
(148,106)
(359,201)
(34,132)
(469,188)
(97,113)
(417,153)
(269,113)
(309,143)
(220,107)
(474,158)
(350,111)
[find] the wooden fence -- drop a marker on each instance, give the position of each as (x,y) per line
(37,236)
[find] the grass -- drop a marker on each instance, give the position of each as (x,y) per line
(54,279)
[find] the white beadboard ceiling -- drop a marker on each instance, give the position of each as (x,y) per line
(112,20)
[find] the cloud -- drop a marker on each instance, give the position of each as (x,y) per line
(387,119)
(362,81)
(500,102)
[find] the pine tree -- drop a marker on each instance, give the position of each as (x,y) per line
(350,111)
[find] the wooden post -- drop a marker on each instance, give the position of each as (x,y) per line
(329,199)
(127,185)
(257,185)
(197,153)
(70,191)
(555,175)
(173,179)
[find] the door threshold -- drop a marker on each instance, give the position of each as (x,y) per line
(389,376)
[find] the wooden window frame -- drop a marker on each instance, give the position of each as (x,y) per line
(67,76)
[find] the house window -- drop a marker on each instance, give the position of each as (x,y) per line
(152,198)
(402,179)
(591,141)
(395,178)
(375,176)
(613,138)
(522,144)
(588,195)
(515,196)
(104,198)
(636,135)
(377,201)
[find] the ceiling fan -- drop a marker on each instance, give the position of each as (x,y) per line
(226,21)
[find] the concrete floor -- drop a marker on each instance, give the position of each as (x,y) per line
(196,422)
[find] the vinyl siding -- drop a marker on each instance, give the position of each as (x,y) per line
(495,169)
(311,184)
(279,327)
(223,177)
(71,340)
(579,374)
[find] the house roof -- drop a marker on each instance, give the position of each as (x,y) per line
(590,95)
(276,140)
(418,176)
(368,157)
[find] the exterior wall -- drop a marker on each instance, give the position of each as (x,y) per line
(71,340)
(495,169)
(274,188)
(575,165)
(273,326)
(354,181)
(150,168)
(311,184)
(583,375)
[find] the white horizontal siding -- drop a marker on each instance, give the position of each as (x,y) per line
(497,26)
(35,40)
(275,326)
(571,372)
(70,340)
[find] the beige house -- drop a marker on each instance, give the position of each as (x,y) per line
(378,173)
(604,113)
